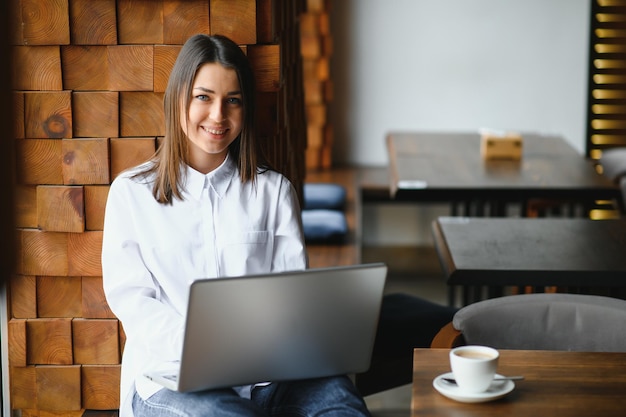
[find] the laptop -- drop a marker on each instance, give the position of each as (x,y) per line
(280,326)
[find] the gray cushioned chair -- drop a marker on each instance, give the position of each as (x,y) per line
(613,163)
(568,322)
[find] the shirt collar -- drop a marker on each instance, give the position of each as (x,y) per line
(219,179)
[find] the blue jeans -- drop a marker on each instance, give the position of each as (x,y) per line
(334,396)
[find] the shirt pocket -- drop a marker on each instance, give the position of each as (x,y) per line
(245,253)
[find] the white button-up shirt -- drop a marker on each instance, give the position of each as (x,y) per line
(151,252)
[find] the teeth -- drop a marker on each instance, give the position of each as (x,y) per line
(215,131)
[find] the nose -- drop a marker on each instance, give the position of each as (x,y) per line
(217,111)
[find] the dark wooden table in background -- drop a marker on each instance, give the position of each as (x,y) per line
(499,252)
(563,384)
(448,167)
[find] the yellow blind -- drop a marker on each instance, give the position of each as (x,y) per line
(607,77)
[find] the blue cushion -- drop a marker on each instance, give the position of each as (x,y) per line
(324,196)
(324,225)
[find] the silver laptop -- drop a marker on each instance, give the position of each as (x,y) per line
(281,326)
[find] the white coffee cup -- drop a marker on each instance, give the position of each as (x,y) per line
(474,367)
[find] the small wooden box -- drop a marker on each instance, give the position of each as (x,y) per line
(501,145)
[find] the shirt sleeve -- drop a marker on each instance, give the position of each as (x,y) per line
(131,291)
(289,248)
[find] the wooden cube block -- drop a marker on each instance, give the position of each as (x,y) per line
(23,387)
(31,412)
(184,18)
(59,297)
(141,114)
(316,114)
(95,305)
(85,67)
(265,22)
(265,60)
(129,152)
(324,24)
(61,208)
(140,21)
(15,27)
(327,157)
(42,253)
(18,114)
(86,161)
(131,67)
(93,22)
(17,342)
(101,387)
(39,161)
(329,135)
(309,24)
(122,337)
(315,136)
(315,6)
(313,158)
(242,29)
(49,341)
(48,114)
(313,93)
(327,46)
(323,69)
(164,58)
(23,296)
(58,388)
(45,22)
(501,145)
(95,203)
(310,46)
(95,114)
(96,341)
(309,70)
(84,252)
(36,68)
(25,206)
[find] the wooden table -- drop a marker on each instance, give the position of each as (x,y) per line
(563,384)
(575,255)
(537,252)
(497,252)
(448,167)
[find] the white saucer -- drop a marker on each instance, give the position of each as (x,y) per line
(497,389)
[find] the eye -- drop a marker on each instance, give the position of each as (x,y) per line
(202,97)
(235,101)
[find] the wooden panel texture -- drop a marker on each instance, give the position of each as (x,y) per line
(316,51)
(88,79)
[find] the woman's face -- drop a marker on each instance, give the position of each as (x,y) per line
(215,116)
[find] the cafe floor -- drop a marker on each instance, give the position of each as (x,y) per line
(426,283)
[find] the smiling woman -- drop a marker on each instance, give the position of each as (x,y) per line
(215,116)
(206,205)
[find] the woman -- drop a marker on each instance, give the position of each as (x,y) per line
(206,205)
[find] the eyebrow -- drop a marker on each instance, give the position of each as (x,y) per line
(206,90)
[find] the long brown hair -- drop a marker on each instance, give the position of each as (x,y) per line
(173,152)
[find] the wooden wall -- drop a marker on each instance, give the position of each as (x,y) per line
(317,48)
(88,82)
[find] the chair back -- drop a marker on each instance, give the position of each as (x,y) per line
(613,163)
(569,322)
